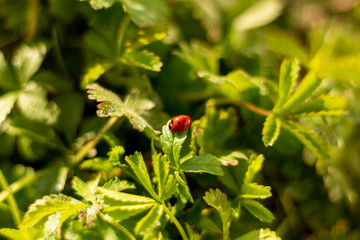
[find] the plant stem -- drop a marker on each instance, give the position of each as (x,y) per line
(58,55)
(121,33)
(251,107)
(14,209)
(176,222)
(87,147)
(16,186)
(112,222)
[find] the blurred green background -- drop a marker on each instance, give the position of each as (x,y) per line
(51,49)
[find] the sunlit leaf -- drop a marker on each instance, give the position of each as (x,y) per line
(94,72)
(172,143)
(253,190)
(143,59)
(118,185)
(7,102)
(271,130)
(134,107)
(146,13)
(84,189)
(309,138)
(183,188)
(149,219)
(255,165)
(260,234)
(257,15)
(289,72)
(202,163)
(98,4)
(13,234)
(304,90)
(137,164)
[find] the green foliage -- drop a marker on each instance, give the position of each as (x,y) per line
(272,88)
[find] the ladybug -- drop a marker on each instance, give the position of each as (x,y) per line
(180,123)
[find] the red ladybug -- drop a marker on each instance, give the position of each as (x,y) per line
(180,123)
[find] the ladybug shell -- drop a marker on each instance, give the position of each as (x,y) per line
(180,123)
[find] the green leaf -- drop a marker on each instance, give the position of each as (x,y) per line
(309,138)
(97,164)
(271,130)
(146,13)
(13,234)
(116,154)
(253,190)
(52,228)
(134,107)
(144,59)
(183,188)
(161,169)
(305,89)
(202,163)
(147,35)
(98,4)
(27,60)
(115,198)
(289,72)
(255,164)
(85,190)
(118,185)
(258,210)
(7,102)
(7,79)
(219,201)
(138,165)
(49,205)
(259,14)
(149,219)
(259,234)
(170,188)
(325,105)
(94,72)
(122,205)
(33,104)
(172,143)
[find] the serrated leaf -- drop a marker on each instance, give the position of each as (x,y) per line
(115,154)
(135,106)
(309,138)
(118,185)
(253,190)
(219,201)
(149,219)
(271,130)
(202,163)
(325,105)
(304,90)
(99,4)
(257,15)
(144,59)
(7,102)
(260,234)
(115,198)
(120,213)
(147,35)
(32,103)
(161,167)
(27,60)
(137,164)
(49,205)
(255,165)
(258,210)
(84,189)
(183,188)
(172,143)
(289,72)
(94,72)
(170,188)
(146,13)
(52,228)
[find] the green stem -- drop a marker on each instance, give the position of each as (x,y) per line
(121,228)
(19,184)
(251,107)
(14,209)
(58,55)
(121,33)
(80,155)
(176,222)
